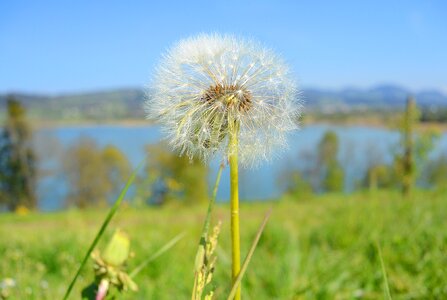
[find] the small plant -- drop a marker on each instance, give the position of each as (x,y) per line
(218,95)
(205,264)
(110,268)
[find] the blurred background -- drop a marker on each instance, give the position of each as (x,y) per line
(80,72)
(73,78)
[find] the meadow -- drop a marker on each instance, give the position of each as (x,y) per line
(323,247)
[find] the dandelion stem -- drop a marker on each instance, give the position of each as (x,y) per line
(238,280)
(234,207)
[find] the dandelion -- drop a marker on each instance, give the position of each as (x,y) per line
(208,87)
(217,95)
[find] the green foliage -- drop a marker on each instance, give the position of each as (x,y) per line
(117,168)
(328,147)
(434,114)
(405,163)
(437,172)
(425,142)
(295,184)
(93,174)
(323,171)
(413,149)
(170,176)
(380,176)
(334,179)
(17,160)
(331,170)
(322,249)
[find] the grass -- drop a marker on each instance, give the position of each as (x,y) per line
(322,248)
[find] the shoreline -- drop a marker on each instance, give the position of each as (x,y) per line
(39,124)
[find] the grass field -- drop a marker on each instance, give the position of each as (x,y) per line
(322,248)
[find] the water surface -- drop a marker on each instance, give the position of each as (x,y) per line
(359,147)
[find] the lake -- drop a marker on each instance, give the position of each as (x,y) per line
(359,147)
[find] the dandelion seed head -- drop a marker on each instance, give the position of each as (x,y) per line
(205,84)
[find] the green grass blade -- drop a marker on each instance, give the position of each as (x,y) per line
(385,278)
(162,250)
(238,280)
(206,225)
(104,225)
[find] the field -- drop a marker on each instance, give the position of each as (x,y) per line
(321,248)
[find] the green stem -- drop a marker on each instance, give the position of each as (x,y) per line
(234,207)
(206,225)
(238,280)
(103,227)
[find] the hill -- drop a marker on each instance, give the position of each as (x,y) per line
(118,104)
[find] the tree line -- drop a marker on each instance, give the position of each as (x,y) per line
(94,175)
(411,165)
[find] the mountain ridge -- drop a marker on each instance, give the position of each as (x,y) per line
(128,102)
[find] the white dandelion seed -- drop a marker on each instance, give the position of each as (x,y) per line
(206,84)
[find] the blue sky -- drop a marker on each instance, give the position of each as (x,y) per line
(70,46)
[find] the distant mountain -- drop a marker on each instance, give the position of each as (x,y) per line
(384,96)
(128,103)
(101,105)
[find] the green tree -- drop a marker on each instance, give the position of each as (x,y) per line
(407,164)
(380,176)
(335,177)
(17,160)
(169,176)
(437,172)
(295,184)
(117,168)
(414,148)
(332,173)
(93,174)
